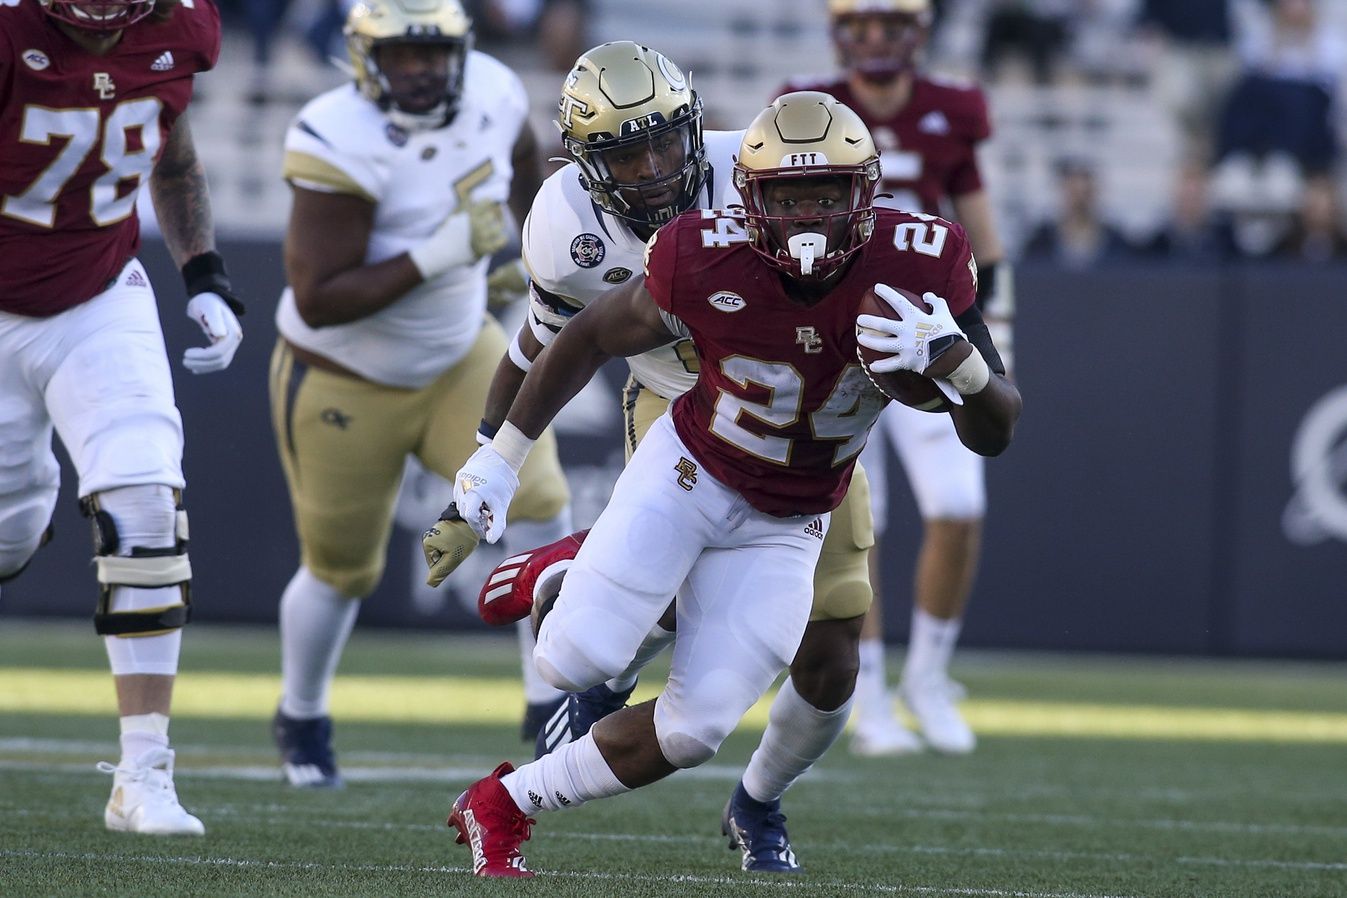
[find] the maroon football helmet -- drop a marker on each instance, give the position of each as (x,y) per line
(98,15)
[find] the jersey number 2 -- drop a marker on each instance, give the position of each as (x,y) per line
(83,129)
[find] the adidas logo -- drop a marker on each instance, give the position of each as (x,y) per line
(163,63)
(474,840)
(565,802)
(136,279)
(814,528)
(535,798)
(502,580)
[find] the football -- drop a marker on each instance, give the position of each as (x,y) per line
(907,387)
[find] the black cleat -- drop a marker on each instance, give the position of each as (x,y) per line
(758,829)
(307,759)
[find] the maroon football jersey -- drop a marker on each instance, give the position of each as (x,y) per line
(79,136)
(927,151)
(781,407)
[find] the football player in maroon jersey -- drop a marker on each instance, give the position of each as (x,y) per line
(726,500)
(927,130)
(91,99)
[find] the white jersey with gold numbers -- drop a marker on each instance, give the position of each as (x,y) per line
(575,251)
(342,143)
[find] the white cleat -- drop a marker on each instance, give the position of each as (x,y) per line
(144,800)
(933,703)
(883,737)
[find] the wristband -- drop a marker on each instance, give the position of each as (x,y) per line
(205,273)
(972,375)
(485,433)
(512,445)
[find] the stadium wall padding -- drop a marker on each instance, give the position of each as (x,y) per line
(1178,482)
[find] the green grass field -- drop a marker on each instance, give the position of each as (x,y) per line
(1095,777)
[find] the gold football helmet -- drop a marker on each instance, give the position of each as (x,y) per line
(879,39)
(632,122)
(808,135)
(375,24)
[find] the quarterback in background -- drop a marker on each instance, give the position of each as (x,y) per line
(727,499)
(623,183)
(927,131)
(92,97)
(400,181)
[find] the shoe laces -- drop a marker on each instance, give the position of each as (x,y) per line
(153,771)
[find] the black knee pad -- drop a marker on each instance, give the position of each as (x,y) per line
(141,567)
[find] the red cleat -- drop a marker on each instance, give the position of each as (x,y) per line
(509,592)
(492,827)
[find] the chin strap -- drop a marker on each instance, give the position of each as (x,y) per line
(807,247)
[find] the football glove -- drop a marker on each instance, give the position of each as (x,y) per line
(461,239)
(483,488)
(510,590)
(222,328)
(447,544)
(913,342)
(507,284)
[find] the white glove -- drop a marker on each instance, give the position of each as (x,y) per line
(461,239)
(483,488)
(907,341)
(221,327)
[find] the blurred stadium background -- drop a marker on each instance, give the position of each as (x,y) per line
(1180,479)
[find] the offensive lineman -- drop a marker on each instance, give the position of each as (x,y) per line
(727,499)
(385,347)
(91,103)
(587,231)
(927,131)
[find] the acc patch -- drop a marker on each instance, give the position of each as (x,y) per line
(588,250)
(34,59)
(726,301)
(616,275)
(396,136)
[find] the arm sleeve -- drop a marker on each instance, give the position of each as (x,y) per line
(548,313)
(971,323)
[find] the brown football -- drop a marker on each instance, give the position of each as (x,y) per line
(907,387)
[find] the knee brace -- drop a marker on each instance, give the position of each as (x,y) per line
(136,566)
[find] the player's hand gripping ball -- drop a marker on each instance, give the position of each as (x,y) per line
(908,387)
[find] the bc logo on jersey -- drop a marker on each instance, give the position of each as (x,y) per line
(588,250)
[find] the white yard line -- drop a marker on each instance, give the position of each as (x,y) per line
(731,881)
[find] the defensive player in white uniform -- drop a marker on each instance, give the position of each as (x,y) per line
(640,158)
(400,182)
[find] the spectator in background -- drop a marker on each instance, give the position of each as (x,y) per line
(1038,30)
(1190,234)
(1282,101)
(557,26)
(1079,237)
(1317,234)
(1193,64)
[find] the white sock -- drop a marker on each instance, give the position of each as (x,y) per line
(797,735)
(524,536)
(654,643)
(536,689)
(316,621)
(872,691)
(568,777)
(931,645)
(141,733)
